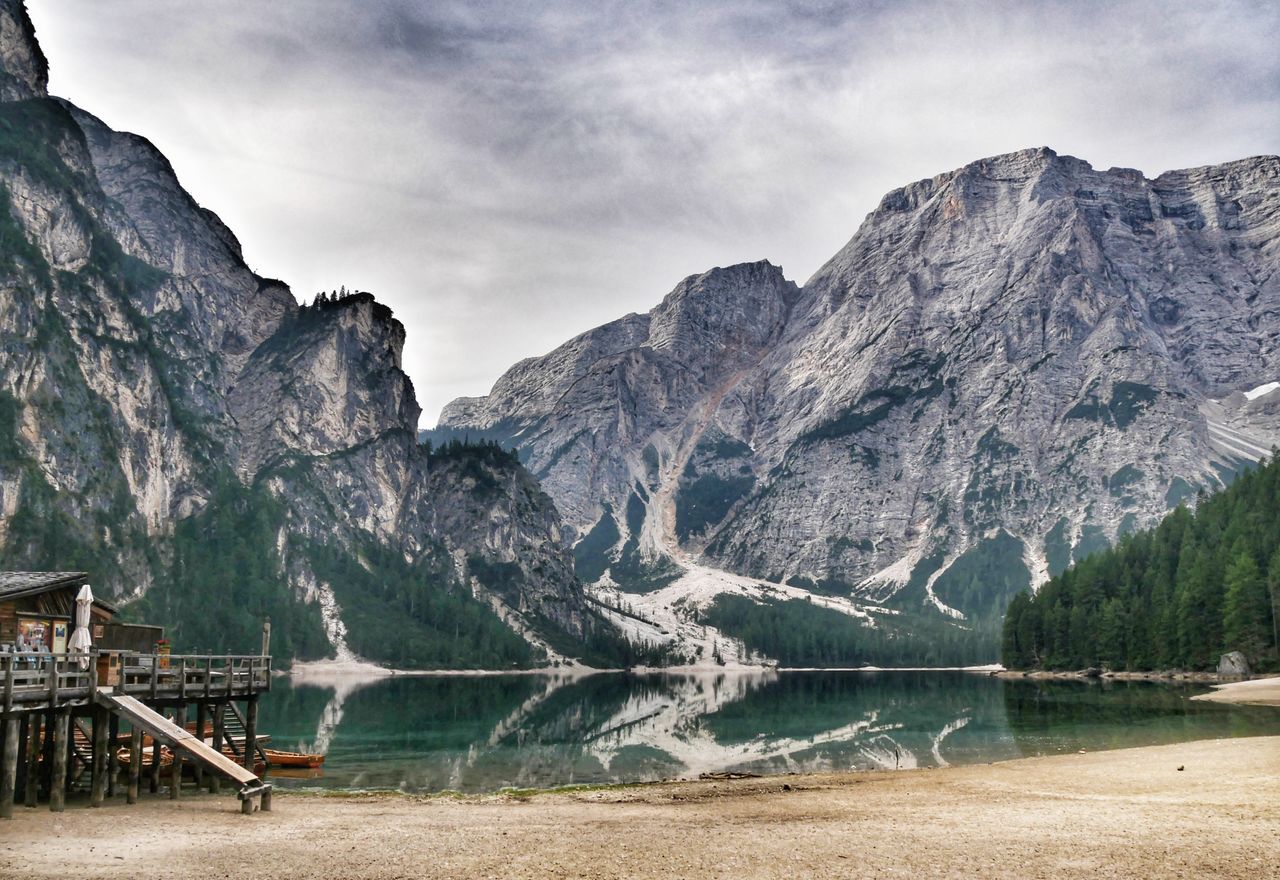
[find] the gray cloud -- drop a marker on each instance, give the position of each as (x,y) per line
(505,175)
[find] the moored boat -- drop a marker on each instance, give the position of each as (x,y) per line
(276,758)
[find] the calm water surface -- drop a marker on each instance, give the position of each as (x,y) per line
(424,734)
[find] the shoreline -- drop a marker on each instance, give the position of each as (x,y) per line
(1088,675)
(1264,691)
(1201,808)
(330,669)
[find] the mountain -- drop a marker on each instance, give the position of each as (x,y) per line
(1006,368)
(1177,596)
(214,452)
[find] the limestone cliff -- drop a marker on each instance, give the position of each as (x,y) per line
(213,451)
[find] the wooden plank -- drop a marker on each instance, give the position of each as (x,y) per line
(178,738)
(9,766)
(58,784)
(135,764)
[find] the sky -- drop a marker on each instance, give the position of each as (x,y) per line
(508,175)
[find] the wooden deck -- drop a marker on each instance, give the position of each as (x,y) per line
(57,715)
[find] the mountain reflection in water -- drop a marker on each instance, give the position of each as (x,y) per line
(483,733)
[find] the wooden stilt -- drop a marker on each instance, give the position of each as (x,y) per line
(202,722)
(250,732)
(58,782)
(154,776)
(46,760)
(24,734)
(32,791)
(98,759)
(175,784)
(135,764)
(9,765)
(113,760)
(266,800)
(219,730)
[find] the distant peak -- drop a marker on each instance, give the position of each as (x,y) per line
(24,72)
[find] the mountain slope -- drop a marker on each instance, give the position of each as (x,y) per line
(214,452)
(1007,366)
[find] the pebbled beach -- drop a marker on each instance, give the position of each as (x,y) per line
(1198,809)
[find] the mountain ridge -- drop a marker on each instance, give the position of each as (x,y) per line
(1019,353)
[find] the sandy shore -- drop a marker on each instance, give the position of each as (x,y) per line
(1258,692)
(1127,813)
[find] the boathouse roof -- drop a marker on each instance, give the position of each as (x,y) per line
(20,584)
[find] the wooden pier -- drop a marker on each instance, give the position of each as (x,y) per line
(60,717)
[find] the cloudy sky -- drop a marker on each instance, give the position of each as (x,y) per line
(506,175)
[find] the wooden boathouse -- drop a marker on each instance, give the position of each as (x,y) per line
(62,711)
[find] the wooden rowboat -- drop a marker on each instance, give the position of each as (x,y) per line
(292,759)
(166,758)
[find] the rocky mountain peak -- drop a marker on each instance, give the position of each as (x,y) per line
(744,305)
(24,72)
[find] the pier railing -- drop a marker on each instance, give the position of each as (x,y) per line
(39,680)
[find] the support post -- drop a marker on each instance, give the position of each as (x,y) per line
(219,714)
(32,791)
(175,784)
(250,732)
(98,766)
(202,722)
(46,760)
(154,776)
(24,743)
(135,763)
(113,757)
(58,784)
(8,766)
(266,799)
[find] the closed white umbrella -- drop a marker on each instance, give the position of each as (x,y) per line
(80,640)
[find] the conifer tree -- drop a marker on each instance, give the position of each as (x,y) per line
(1247,609)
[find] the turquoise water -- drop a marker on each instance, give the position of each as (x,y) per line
(475,734)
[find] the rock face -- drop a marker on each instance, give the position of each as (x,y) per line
(157,396)
(1007,366)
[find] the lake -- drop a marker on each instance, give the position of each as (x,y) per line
(484,733)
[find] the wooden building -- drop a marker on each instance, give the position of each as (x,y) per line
(61,712)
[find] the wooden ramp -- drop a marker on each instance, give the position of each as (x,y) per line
(193,748)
